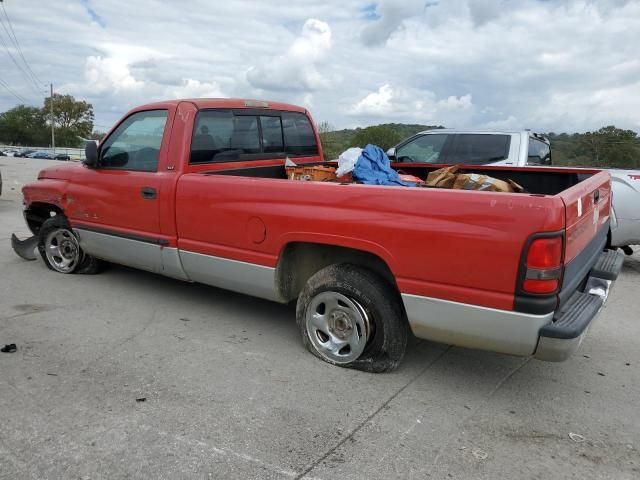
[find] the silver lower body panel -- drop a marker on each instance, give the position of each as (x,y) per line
(472,326)
(242,277)
(125,251)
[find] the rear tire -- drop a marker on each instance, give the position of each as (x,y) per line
(351,317)
(627,250)
(60,249)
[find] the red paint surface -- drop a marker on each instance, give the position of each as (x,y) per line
(455,245)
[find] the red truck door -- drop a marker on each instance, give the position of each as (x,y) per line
(115,207)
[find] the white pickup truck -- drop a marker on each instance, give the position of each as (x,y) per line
(521,148)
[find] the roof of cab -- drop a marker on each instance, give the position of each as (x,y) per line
(202,103)
(528,132)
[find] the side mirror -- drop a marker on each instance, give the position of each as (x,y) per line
(91,154)
(391,153)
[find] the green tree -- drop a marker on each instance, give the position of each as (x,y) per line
(329,145)
(72,119)
(23,125)
(380,135)
(612,147)
(97,135)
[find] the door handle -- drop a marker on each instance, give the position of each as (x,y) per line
(148,192)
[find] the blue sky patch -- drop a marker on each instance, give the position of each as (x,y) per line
(92,13)
(369,12)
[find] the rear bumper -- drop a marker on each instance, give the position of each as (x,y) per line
(552,337)
(569,326)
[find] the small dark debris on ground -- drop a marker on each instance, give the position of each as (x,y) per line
(141,399)
(9,348)
(601,374)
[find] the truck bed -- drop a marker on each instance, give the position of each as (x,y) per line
(443,232)
(545,181)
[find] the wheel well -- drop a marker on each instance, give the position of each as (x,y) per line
(299,261)
(37,213)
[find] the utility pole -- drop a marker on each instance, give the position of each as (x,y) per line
(53,135)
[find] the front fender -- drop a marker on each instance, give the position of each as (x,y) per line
(45,191)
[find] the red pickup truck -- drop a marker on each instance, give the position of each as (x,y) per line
(197,190)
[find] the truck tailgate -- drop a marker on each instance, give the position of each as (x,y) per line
(587,207)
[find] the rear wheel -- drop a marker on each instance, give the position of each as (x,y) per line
(351,317)
(60,250)
(627,250)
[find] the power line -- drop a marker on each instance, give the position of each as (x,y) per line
(20,67)
(33,85)
(17,44)
(8,88)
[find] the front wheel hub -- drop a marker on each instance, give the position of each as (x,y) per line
(62,250)
(337,326)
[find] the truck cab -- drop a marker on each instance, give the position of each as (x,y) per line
(198,190)
(474,147)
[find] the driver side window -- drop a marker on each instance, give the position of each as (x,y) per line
(423,149)
(135,144)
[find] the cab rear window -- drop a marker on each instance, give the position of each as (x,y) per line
(228,135)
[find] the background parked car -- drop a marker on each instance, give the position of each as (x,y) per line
(40,154)
(24,153)
(62,156)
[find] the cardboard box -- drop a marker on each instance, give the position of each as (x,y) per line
(449,177)
(443,177)
(315,173)
(474,181)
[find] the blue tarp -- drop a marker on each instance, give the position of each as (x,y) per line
(374,168)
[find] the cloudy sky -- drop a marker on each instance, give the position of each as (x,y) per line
(550,65)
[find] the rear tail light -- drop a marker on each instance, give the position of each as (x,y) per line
(544,265)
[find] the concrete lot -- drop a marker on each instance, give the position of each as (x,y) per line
(231,393)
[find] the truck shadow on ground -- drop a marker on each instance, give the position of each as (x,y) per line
(632,263)
(279,320)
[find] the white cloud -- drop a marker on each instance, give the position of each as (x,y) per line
(452,102)
(106,74)
(376,103)
(411,105)
(561,65)
(392,16)
(509,123)
(307,100)
(191,88)
(297,68)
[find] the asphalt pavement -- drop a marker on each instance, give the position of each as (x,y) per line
(127,374)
